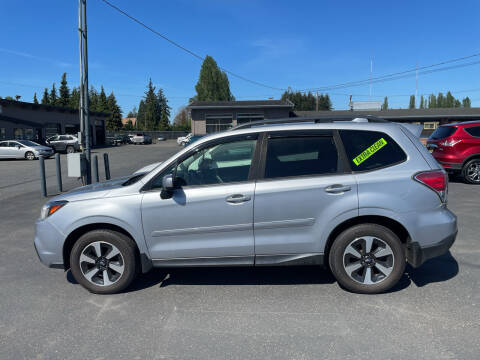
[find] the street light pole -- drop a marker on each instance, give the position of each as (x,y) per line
(83,106)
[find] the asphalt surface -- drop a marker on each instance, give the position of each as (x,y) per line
(229,313)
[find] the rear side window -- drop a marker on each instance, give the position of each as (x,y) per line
(370,150)
(474,131)
(443,132)
(299,156)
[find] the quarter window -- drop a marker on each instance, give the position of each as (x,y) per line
(299,156)
(370,150)
(474,131)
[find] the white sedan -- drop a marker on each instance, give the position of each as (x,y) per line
(23,149)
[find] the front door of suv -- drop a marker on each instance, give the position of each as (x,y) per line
(209,216)
(305,190)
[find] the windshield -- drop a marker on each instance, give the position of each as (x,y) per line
(28,143)
(443,132)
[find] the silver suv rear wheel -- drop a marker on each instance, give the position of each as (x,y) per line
(367,258)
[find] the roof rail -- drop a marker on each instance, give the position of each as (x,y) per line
(316,120)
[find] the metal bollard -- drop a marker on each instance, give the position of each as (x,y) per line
(59,172)
(106,162)
(95,168)
(43,180)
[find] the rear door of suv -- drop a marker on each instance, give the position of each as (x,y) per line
(303,187)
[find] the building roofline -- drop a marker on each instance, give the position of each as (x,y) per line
(33,106)
(241,104)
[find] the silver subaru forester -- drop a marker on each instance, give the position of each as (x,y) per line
(361,198)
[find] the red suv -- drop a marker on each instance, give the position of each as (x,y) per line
(457,148)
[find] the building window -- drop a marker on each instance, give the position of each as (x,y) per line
(216,123)
(246,118)
(52,129)
(430,125)
(17,134)
(28,134)
(2,134)
(71,129)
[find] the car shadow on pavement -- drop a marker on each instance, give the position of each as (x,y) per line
(436,270)
(439,269)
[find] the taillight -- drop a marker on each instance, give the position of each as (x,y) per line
(436,180)
(450,143)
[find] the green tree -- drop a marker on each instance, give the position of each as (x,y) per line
(92,99)
(45,98)
(385,103)
(114,120)
(52,98)
(449,100)
(133,113)
(213,84)
(129,125)
(140,123)
(152,110)
(440,100)
(422,105)
(457,103)
(466,103)
(35,100)
(181,121)
(307,102)
(64,92)
(411,105)
(432,102)
(102,103)
(164,123)
(75,98)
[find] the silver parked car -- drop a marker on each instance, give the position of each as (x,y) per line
(361,198)
(23,149)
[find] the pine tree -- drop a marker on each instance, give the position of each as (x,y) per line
(432,102)
(385,103)
(140,123)
(64,92)
(35,100)
(411,105)
(45,98)
(440,100)
(102,105)
(466,102)
(132,113)
(449,100)
(213,84)
(152,111)
(52,98)
(114,120)
(162,101)
(74,98)
(92,99)
(129,125)
(422,105)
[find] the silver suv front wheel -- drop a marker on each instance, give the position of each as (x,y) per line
(367,258)
(104,261)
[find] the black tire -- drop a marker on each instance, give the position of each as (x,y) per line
(123,243)
(70,149)
(29,155)
(337,258)
(468,174)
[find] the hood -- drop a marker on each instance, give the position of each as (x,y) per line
(41,147)
(94,191)
(147,168)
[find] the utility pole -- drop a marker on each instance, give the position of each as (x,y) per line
(84,112)
(416,85)
(316,102)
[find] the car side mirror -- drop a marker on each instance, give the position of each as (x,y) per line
(18,147)
(168,186)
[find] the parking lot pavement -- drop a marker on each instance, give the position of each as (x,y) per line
(231,313)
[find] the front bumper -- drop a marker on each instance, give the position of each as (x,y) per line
(48,244)
(417,255)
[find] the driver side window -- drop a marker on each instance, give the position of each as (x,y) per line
(216,164)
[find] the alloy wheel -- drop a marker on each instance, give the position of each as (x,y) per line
(473,172)
(102,263)
(368,260)
(30,156)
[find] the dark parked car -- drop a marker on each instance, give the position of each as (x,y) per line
(63,143)
(457,148)
(120,140)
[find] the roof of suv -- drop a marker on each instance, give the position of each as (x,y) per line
(473,122)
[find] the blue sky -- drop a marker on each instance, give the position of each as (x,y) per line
(302,44)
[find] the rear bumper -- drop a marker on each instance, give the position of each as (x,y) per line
(450,166)
(417,255)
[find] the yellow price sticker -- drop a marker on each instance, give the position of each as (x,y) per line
(370,151)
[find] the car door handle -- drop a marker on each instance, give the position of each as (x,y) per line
(337,188)
(238,199)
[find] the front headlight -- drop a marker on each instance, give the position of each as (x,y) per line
(51,207)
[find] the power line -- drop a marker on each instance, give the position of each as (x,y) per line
(181,47)
(400,74)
